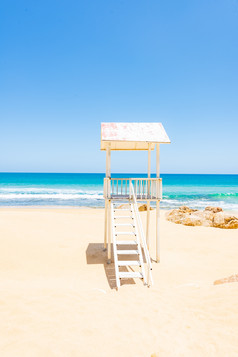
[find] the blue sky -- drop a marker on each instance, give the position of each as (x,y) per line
(66,66)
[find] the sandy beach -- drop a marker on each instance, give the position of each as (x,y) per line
(58,296)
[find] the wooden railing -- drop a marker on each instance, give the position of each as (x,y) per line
(149,279)
(144,188)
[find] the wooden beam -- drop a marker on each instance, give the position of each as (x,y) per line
(148,202)
(105,225)
(157,160)
(109,233)
(149,161)
(107,211)
(157,207)
(108,161)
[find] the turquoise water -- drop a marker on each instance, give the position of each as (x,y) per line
(42,189)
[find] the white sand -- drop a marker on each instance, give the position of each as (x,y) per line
(57,299)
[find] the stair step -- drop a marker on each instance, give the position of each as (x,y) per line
(130,275)
(125,233)
(124,224)
(123,263)
(123,217)
(130,252)
(127,242)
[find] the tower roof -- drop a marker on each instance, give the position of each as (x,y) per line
(132,136)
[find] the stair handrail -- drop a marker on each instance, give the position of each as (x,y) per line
(142,236)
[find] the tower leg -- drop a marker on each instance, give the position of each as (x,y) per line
(109,233)
(148,225)
(157,231)
(105,225)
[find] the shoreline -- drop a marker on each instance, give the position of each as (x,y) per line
(58,207)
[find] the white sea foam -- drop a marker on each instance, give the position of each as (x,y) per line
(12,196)
(43,190)
(82,195)
(50,196)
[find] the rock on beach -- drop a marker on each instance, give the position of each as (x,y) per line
(230,279)
(210,217)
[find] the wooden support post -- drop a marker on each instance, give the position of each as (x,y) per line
(108,162)
(157,161)
(148,202)
(105,225)
(109,233)
(157,231)
(157,207)
(106,203)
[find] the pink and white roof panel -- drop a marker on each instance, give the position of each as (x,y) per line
(132,136)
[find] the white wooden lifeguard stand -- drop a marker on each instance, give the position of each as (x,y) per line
(131,136)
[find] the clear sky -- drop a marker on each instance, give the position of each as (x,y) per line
(66,66)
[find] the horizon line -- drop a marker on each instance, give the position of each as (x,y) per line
(114,173)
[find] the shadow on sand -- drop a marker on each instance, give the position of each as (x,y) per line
(96,255)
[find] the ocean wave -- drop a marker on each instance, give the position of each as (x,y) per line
(93,196)
(206,195)
(226,194)
(47,196)
(35,190)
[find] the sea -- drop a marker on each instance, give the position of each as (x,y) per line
(86,190)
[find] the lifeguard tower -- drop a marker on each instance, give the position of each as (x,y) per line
(123,225)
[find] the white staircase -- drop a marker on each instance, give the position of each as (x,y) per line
(128,241)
